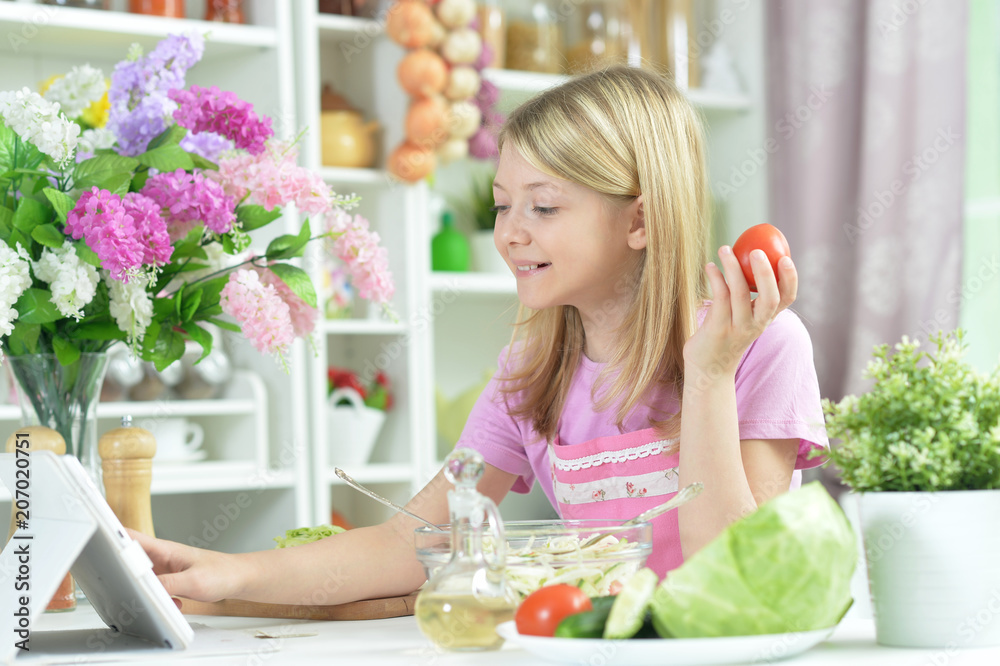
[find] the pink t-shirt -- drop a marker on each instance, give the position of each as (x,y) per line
(777,397)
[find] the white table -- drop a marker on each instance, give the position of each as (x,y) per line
(398,641)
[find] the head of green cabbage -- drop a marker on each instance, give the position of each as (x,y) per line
(784,568)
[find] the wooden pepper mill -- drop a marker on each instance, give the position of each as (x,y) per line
(41,438)
(127,463)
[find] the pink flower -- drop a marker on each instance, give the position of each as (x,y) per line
(597,494)
(272,179)
(258,308)
(302,316)
(187,199)
(222,112)
(126,233)
(367,262)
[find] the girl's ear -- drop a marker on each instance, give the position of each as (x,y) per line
(637,230)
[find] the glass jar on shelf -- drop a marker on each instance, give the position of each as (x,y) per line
(534,37)
(493,30)
(598,36)
(224,11)
(169,8)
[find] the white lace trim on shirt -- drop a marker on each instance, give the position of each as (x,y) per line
(610,457)
(651,484)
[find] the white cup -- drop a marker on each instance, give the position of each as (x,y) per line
(177,439)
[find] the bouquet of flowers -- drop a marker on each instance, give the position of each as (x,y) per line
(139,230)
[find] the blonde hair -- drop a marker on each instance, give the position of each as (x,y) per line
(622,132)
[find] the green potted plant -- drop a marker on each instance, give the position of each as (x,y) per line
(477,207)
(922,450)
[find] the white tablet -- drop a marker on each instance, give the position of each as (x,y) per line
(68,524)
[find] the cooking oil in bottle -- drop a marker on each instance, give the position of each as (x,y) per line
(462,622)
(462,604)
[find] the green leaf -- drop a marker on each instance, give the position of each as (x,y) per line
(98,328)
(168,347)
(297,280)
(288,246)
(30,213)
(48,235)
(118,183)
(139,180)
(168,157)
(86,255)
(96,170)
(202,336)
(7,139)
(36,307)
(210,294)
(226,325)
(186,248)
(65,350)
(11,145)
(251,216)
(191,303)
(203,163)
(6,222)
(170,136)
(61,202)
(24,338)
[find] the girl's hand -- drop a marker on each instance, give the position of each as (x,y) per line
(734,321)
(185,571)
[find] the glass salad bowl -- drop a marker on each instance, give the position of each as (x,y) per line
(547,552)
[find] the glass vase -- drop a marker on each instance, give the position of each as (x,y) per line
(64,398)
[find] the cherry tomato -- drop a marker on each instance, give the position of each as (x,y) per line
(760,237)
(542,610)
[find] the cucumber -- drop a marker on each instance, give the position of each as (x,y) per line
(588,624)
(629,609)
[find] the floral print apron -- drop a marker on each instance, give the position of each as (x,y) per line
(619,477)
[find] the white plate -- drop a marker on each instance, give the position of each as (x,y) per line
(194,456)
(669,651)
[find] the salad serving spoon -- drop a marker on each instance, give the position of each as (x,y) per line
(685,495)
(378,498)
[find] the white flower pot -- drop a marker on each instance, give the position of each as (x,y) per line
(933,567)
(352,430)
(485,257)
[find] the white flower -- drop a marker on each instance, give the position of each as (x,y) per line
(130,305)
(74,92)
(72,282)
(95,139)
(15,277)
(39,122)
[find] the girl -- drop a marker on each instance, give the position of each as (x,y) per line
(623,383)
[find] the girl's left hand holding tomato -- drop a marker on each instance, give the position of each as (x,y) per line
(734,320)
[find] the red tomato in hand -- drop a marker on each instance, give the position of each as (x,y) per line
(760,237)
(542,610)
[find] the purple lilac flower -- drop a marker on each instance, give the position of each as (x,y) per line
(209,145)
(138,95)
(213,110)
(125,233)
(187,199)
(137,127)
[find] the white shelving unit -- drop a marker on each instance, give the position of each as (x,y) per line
(256,434)
(355,58)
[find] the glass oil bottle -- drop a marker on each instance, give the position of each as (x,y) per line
(466,599)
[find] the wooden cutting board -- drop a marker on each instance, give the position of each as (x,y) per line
(369,609)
